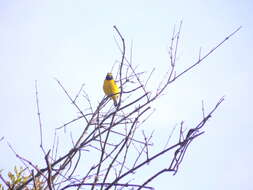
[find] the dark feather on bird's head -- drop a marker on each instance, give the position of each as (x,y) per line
(109,76)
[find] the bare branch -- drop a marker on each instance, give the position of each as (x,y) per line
(38,112)
(108,184)
(113,139)
(5,182)
(206,55)
(49,178)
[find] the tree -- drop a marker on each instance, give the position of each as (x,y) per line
(109,136)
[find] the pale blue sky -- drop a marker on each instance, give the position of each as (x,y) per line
(73,41)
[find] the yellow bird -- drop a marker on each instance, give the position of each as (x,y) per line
(111,89)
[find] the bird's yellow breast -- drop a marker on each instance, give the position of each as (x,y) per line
(111,89)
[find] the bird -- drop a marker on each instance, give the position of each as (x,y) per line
(111,89)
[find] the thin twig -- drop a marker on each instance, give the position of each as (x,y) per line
(5,182)
(168,140)
(205,56)
(40,123)
(27,161)
(80,90)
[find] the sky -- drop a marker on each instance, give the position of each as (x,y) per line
(73,41)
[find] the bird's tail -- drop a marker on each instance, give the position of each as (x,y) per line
(115,102)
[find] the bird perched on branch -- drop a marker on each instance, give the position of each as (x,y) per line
(111,89)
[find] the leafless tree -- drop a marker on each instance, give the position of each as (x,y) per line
(114,138)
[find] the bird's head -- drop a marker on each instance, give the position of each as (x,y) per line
(109,76)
